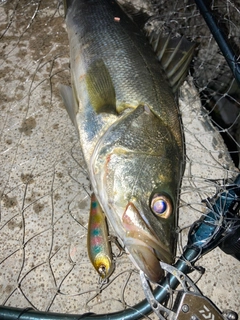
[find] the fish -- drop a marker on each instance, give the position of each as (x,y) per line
(99,248)
(123,105)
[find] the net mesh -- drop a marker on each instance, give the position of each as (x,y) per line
(44,184)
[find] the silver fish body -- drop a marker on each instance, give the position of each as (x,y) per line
(129,127)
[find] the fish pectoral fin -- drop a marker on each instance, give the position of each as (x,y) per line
(175,55)
(69,101)
(100,88)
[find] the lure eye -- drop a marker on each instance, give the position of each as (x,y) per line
(102,271)
(161,205)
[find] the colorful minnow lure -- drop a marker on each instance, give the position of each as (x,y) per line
(99,248)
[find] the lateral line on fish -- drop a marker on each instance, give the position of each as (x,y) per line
(149,136)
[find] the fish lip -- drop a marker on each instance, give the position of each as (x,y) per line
(145,259)
(139,231)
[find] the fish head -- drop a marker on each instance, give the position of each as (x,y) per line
(150,231)
(137,170)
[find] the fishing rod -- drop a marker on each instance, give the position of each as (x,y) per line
(231,58)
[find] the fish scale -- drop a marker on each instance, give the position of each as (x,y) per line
(124,108)
(101,36)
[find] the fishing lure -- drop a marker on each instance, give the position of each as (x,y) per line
(98,244)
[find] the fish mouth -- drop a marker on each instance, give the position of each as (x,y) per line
(144,246)
(145,259)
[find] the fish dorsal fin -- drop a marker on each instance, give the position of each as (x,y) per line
(138,15)
(175,55)
(100,88)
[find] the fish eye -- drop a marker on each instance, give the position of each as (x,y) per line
(161,205)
